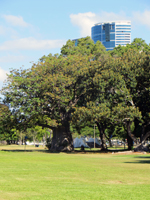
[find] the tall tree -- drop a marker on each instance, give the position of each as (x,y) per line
(134,66)
(6,124)
(46,95)
(110,104)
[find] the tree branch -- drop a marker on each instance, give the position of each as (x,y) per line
(145,137)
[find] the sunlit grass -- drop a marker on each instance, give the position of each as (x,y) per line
(21,147)
(41,175)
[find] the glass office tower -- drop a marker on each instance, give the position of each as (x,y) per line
(112,34)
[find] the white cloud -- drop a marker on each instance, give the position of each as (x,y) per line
(86,20)
(15,21)
(2,30)
(31,44)
(12,58)
(8,32)
(105,16)
(142,18)
(3,74)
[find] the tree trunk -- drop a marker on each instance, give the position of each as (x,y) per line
(130,136)
(143,133)
(34,140)
(102,136)
(130,142)
(62,138)
(110,143)
(142,147)
(109,140)
(44,140)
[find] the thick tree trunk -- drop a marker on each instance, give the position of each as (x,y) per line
(139,145)
(102,136)
(142,146)
(62,138)
(130,142)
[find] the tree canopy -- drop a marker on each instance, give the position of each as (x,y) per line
(85,46)
(84,84)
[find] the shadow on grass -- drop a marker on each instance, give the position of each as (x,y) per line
(99,151)
(140,162)
(67,152)
(144,160)
(143,157)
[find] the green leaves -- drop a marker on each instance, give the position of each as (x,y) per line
(84,84)
(47,93)
(85,46)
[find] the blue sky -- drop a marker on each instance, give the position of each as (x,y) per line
(30,29)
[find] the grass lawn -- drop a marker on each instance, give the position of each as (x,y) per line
(78,176)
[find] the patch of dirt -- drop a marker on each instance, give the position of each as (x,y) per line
(129,152)
(115,182)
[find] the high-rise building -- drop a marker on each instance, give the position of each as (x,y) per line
(76,41)
(112,34)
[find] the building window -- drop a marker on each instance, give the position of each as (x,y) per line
(112,27)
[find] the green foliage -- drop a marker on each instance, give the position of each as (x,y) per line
(47,94)
(48,143)
(85,46)
(6,124)
(89,131)
(37,133)
(111,103)
(83,85)
(137,44)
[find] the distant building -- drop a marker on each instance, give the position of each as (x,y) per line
(76,41)
(112,34)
